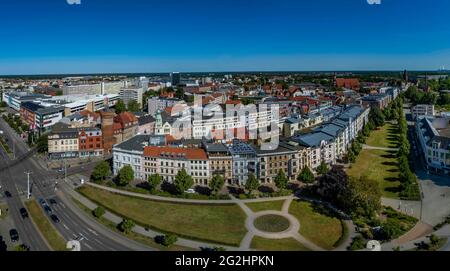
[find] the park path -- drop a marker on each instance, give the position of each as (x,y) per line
(147,232)
(367,147)
(245,245)
(291,232)
(179,200)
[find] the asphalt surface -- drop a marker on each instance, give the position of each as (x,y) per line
(92,236)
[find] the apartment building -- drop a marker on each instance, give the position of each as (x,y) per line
(244,162)
(168,161)
(434,136)
(220,161)
(287,157)
(90,142)
(63,142)
(422,110)
(132,94)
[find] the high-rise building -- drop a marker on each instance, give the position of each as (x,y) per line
(176,78)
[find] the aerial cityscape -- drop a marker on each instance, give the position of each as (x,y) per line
(222,136)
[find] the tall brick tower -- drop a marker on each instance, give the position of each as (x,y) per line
(108,131)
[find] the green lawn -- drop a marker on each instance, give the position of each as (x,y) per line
(317,224)
(266,206)
(384,137)
(3,207)
(272,223)
(380,166)
(55,240)
(288,244)
(224,224)
(132,235)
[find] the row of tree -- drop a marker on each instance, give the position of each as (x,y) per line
(417,96)
(132,106)
(409,186)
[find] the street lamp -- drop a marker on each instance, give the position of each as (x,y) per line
(28,185)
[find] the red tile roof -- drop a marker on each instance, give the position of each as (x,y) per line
(351,83)
(172,152)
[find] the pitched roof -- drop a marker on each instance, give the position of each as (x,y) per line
(175,153)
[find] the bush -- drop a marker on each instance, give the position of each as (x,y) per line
(126,226)
(166,240)
(358,243)
(99,212)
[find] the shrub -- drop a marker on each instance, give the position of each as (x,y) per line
(99,212)
(126,226)
(358,243)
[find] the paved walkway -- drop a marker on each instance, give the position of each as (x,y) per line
(178,200)
(148,233)
(367,147)
(291,232)
(245,245)
(411,208)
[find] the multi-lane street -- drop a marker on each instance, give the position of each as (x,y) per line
(73,224)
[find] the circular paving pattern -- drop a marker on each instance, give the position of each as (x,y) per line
(272,223)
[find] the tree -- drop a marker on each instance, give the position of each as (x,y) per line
(377,117)
(306,176)
(133,106)
(281,180)
(333,185)
(42,144)
(98,212)
(183,181)
(21,248)
(351,157)
(216,183)
(323,168)
(166,240)
(154,181)
(362,197)
(120,107)
(101,171)
(179,93)
(434,240)
(391,230)
(169,240)
(126,226)
(126,175)
(252,183)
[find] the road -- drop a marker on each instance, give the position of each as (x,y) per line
(73,225)
(29,235)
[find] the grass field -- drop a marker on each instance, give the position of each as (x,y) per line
(288,244)
(380,166)
(132,235)
(223,224)
(55,240)
(317,225)
(272,223)
(4,213)
(384,137)
(266,206)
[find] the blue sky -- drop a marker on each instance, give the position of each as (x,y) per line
(50,36)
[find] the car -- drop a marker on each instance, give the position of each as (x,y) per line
(48,210)
(14,235)
(8,194)
(53,202)
(55,218)
(42,202)
(190,191)
(24,213)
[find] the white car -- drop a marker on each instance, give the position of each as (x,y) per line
(190,191)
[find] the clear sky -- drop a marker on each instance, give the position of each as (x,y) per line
(50,36)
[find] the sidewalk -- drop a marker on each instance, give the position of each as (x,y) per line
(178,200)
